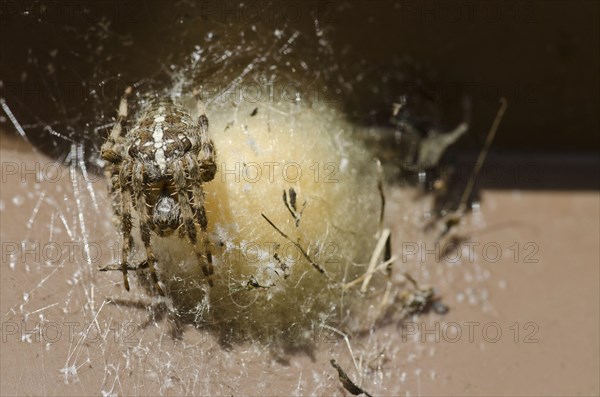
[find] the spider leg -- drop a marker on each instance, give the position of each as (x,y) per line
(111,151)
(196,177)
(114,189)
(126,206)
(187,217)
(206,155)
(145,221)
(198,206)
(112,148)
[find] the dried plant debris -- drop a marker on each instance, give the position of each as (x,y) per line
(451,219)
(289,199)
(347,382)
(314,264)
(420,299)
(421,143)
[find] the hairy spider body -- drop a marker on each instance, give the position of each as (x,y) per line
(156,170)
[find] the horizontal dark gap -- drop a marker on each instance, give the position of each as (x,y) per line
(531,171)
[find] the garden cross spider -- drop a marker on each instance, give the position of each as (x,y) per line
(156,169)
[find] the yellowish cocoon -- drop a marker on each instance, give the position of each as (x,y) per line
(294,165)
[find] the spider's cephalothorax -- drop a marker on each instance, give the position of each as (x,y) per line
(156,170)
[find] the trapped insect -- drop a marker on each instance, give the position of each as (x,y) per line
(156,169)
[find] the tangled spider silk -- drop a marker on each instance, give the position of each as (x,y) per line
(293,216)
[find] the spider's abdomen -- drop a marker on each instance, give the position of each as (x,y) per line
(163,135)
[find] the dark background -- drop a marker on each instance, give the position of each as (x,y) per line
(64,64)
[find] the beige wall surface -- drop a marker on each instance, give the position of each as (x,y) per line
(523,316)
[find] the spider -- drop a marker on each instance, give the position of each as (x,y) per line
(156,170)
